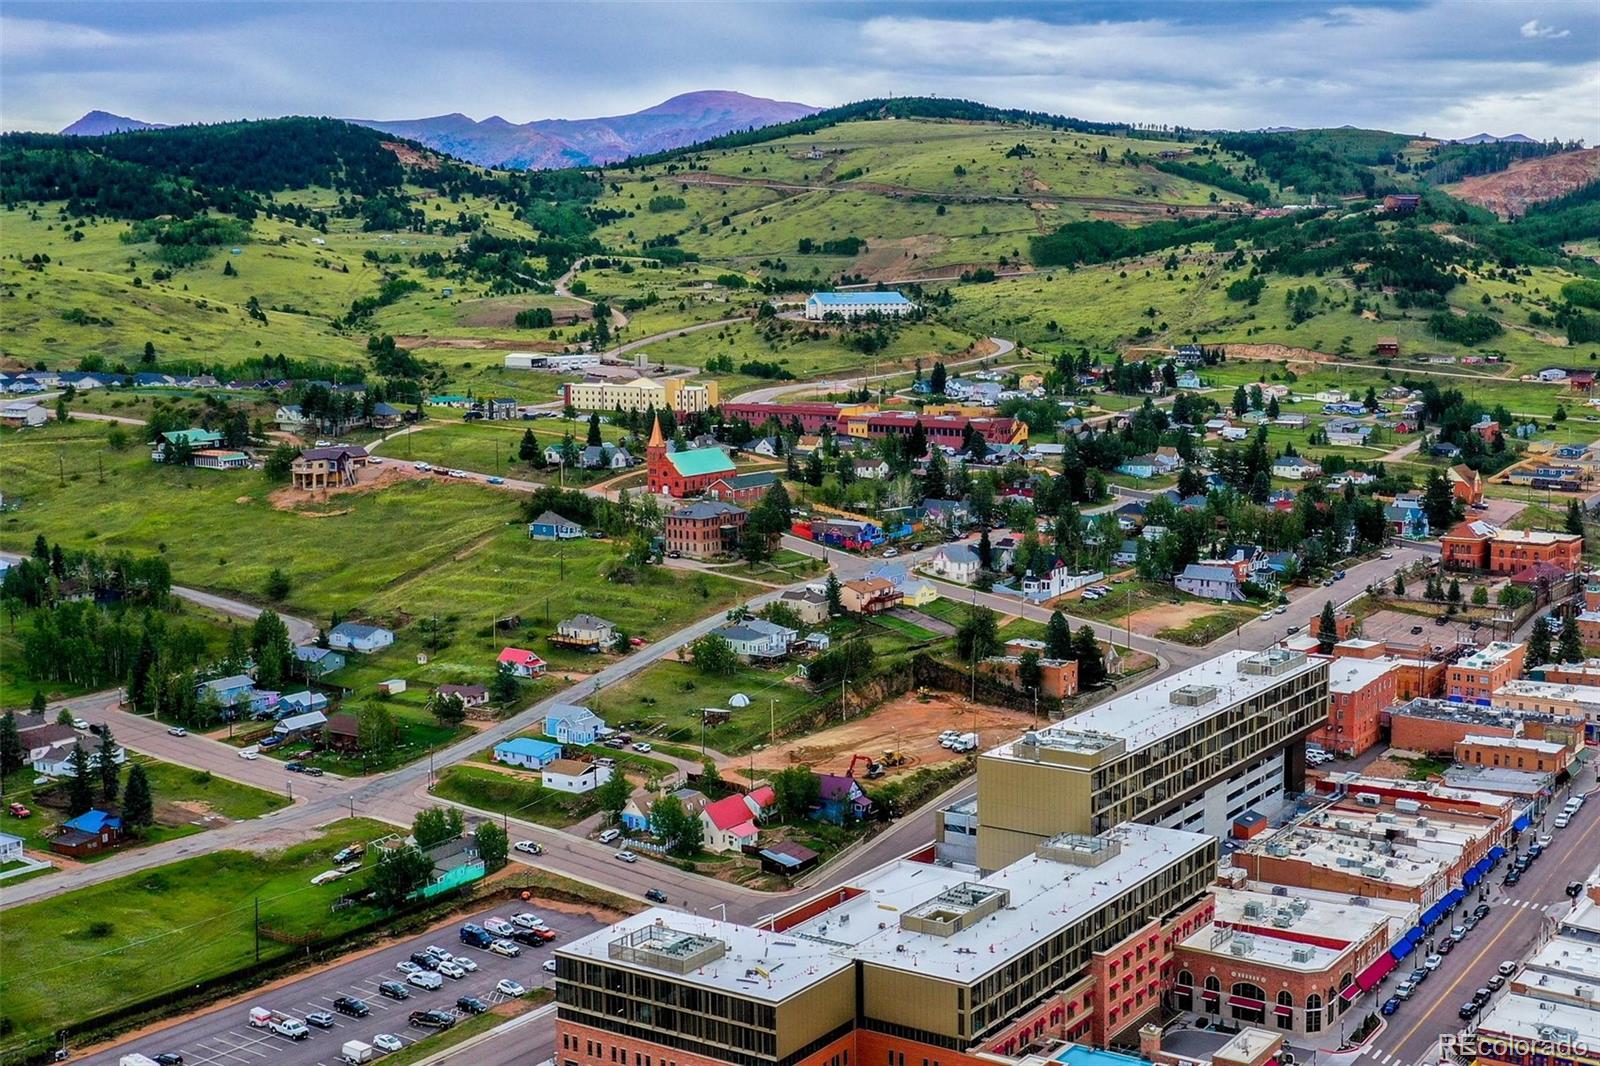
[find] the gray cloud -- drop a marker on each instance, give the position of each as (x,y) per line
(1441,66)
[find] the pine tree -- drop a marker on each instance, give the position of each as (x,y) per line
(80,790)
(1575,517)
(13,756)
(835,606)
(528,450)
(110,772)
(1399,584)
(593,440)
(1058,637)
(1241,401)
(1091,660)
(1570,647)
(985,550)
(1539,642)
(138,807)
(1327,628)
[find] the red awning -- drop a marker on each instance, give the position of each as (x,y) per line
(1247,1003)
(1351,992)
(1287,1012)
(1369,977)
(1209,994)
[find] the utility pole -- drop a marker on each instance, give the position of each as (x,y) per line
(258,929)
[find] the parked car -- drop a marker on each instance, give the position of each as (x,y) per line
(642,747)
(407,967)
(394,990)
(312,771)
(508,987)
(1405,990)
(609,835)
(528,920)
(294,767)
(1468,1009)
(425,980)
(506,948)
(426,960)
(388,1042)
(498,926)
(1574,888)
(168,1058)
(465,962)
(1512,877)
(1506,969)
(1418,975)
(321,1019)
(528,847)
(1495,982)
(1391,1005)
(1482,996)
(355,1008)
(432,1019)
(472,1005)
(1481,911)
(1433,962)
(177,731)
(80,724)
(1445,945)
(627,856)
(249,756)
(549,966)
(1458,932)
(450,970)
(496,480)
(19,811)
(1563,820)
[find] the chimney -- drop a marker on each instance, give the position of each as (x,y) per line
(1150,1042)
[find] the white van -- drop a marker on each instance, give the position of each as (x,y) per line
(609,835)
(425,979)
(355,1052)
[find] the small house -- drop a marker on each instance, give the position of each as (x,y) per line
(10,849)
(88,834)
(572,724)
(20,414)
(840,799)
(755,639)
(728,825)
(1140,466)
(527,752)
(1387,346)
(301,726)
(303,703)
(956,562)
(1295,468)
(551,526)
(353,636)
(585,632)
(809,604)
(469,695)
(523,663)
(872,595)
(238,690)
(343,734)
(315,662)
(1215,580)
(573,776)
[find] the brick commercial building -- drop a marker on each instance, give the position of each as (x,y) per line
(1495,812)
(1359,691)
(1550,1013)
(1283,962)
(811,417)
(1577,700)
(1478,545)
(1513,753)
(1434,727)
(1058,678)
(948,430)
(704,529)
(1193,750)
(1479,674)
(1589,617)
(914,961)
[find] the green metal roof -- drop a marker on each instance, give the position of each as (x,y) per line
(696,461)
(192,437)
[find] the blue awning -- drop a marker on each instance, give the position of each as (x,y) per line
(1496,853)
(1521,823)
(1472,877)
(1432,914)
(1452,898)
(1406,945)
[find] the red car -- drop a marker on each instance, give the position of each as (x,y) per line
(19,811)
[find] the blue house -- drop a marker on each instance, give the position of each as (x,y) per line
(840,798)
(315,662)
(571,724)
(1408,519)
(551,526)
(1140,466)
(526,752)
(229,692)
(301,703)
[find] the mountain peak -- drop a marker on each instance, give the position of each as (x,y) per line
(100,123)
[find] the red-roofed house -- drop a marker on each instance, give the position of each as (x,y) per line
(523,663)
(728,825)
(761,800)
(1466,483)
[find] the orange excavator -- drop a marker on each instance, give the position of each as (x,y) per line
(874,768)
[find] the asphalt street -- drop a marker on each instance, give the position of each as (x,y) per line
(223,1036)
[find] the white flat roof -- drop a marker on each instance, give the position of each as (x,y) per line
(1542,747)
(1525,1016)
(1147,715)
(1487,656)
(1554,690)
(790,965)
(1046,896)
(1347,675)
(1266,950)
(1567,956)
(1318,914)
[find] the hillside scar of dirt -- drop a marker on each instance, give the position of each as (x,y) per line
(1512,191)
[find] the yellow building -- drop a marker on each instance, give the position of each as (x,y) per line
(642,394)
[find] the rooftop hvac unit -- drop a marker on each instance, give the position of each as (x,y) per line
(1299,905)
(1278,850)
(1301,955)
(1254,908)
(1242,945)
(1282,920)
(1422,820)
(1372,869)
(1367,799)
(1433,831)
(1409,806)
(1344,824)
(1387,818)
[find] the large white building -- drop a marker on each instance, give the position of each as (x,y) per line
(855,304)
(555,362)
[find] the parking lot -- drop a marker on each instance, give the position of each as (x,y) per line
(224,1037)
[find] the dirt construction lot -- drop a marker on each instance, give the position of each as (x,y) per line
(911,723)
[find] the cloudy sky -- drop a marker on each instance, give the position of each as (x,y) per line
(1444,67)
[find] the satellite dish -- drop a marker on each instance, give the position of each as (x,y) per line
(739,699)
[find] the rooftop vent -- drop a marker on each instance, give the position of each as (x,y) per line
(663,948)
(1301,954)
(1078,849)
(954,909)
(1194,695)
(1242,945)
(1271,663)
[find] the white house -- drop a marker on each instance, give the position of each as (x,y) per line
(728,825)
(57,761)
(756,638)
(1213,581)
(570,775)
(22,413)
(10,848)
(1057,581)
(854,304)
(956,562)
(1295,468)
(352,636)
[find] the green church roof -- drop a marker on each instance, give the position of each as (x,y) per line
(696,461)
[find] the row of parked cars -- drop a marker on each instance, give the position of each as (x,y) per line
(1443,946)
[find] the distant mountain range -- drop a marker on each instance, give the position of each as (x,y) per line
(1489,138)
(543,143)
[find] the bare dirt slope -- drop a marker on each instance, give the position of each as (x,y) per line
(1513,190)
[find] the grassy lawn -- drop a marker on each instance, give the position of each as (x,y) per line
(183,800)
(91,950)
(666,700)
(519,794)
(904,627)
(1198,632)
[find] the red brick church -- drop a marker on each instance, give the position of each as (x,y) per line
(684,473)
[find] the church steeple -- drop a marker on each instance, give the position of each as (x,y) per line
(656,440)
